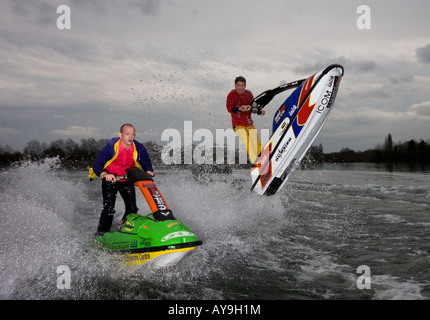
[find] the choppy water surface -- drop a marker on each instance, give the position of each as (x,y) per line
(306,242)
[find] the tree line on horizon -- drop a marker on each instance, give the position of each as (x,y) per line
(410,151)
(85,152)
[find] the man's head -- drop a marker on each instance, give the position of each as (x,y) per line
(127,134)
(240,84)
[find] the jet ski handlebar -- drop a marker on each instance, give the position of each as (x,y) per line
(265,97)
(133,175)
(136,174)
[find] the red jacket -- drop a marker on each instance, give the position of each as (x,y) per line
(234,101)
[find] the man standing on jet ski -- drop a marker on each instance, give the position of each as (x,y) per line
(238,104)
(111,163)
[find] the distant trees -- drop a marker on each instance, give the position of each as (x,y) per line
(87,150)
(409,151)
(401,152)
(8,155)
(64,149)
(67,150)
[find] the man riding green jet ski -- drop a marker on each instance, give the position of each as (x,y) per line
(158,235)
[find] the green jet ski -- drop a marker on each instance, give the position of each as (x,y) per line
(158,236)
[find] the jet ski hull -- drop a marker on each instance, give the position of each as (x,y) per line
(142,239)
(296,124)
(160,259)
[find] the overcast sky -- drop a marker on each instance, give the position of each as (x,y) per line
(158,63)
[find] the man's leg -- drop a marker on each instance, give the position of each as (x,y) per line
(254,143)
(109,197)
(249,137)
(128,194)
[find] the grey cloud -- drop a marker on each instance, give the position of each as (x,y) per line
(147,7)
(41,12)
(396,79)
(158,63)
(371,94)
(360,66)
(423,54)
(421,109)
(364,66)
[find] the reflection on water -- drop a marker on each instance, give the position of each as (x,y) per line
(369,166)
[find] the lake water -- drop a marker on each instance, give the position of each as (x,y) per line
(306,242)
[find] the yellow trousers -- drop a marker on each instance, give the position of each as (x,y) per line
(249,137)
